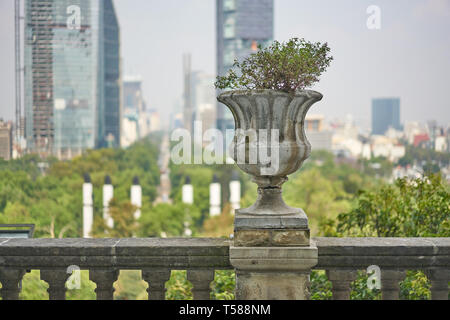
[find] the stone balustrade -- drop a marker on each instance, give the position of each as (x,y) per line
(343,257)
(104,258)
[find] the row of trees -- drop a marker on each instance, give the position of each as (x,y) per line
(52,199)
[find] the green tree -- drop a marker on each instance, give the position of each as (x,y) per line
(409,208)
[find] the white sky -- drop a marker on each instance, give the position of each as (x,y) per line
(409,57)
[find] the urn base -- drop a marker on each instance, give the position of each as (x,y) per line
(270,203)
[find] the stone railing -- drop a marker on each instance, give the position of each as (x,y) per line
(104,258)
(343,257)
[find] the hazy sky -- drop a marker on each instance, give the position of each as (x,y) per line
(408,57)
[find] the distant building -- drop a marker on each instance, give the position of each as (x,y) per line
(72,76)
(440,144)
(318,137)
(242,25)
(204,99)
(135,119)
(388,148)
(153,121)
(132,93)
(412,129)
(421,140)
(6,140)
(385,115)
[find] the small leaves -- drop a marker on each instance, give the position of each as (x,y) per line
(290,66)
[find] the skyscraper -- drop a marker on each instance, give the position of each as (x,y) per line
(242,25)
(72,76)
(133,110)
(385,114)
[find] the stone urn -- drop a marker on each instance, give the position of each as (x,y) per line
(270,143)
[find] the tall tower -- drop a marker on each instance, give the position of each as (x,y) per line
(71,78)
(242,25)
(188,109)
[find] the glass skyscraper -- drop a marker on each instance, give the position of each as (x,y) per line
(385,115)
(72,76)
(242,25)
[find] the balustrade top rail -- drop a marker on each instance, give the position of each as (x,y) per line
(135,253)
(130,253)
(403,253)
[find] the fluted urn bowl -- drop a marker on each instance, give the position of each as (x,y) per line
(270,142)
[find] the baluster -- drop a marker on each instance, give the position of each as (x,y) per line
(104,279)
(439,279)
(10,279)
(341,280)
(390,287)
(56,280)
(156,279)
(201,281)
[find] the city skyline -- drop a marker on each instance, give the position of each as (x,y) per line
(397,60)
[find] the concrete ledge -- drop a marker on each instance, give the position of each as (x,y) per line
(248,222)
(133,253)
(403,253)
(287,259)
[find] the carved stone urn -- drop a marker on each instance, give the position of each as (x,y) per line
(270,144)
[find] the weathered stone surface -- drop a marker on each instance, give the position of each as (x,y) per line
(272,286)
(104,279)
(10,279)
(118,253)
(17,255)
(291,259)
(290,237)
(261,112)
(252,238)
(56,280)
(390,253)
(201,283)
(156,279)
(273,273)
(439,278)
(271,238)
(260,231)
(341,280)
(248,222)
(390,283)
(108,247)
